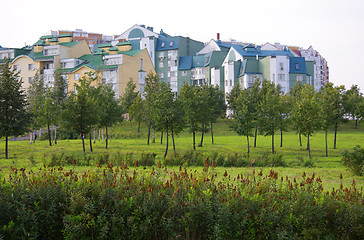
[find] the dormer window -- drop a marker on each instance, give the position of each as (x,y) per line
(162,45)
(171,44)
(297,66)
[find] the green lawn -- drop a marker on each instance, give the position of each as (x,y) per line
(125,139)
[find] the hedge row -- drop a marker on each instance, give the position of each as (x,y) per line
(120,203)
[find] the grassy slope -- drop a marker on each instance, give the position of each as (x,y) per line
(125,139)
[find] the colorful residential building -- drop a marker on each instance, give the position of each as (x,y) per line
(45,56)
(115,65)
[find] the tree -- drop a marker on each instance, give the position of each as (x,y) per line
(81,109)
(331,109)
(110,111)
(129,96)
(217,106)
(14,119)
(151,85)
(305,113)
(352,99)
(36,101)
(284,110)
(193,106)
(244,115)
(137,110)
(269,119)
(59,94)
(294,96)
(163,110)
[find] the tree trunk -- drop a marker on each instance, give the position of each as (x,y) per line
(102,134)
(83,142)
(94,135)
(138,126)
(281,134)
(31,137)
(109,135)
(55,135)
(149,126)
(272,142)
(153,140)
(90,138)
(256,134)
(212,135)
(326,143)
(161,138)
(174,146)
(247,139)
(308,145)
(165,154)
(356,123)
(203,131)
(335,135)
(99,134)
(6,148)
(193,136)
(49,135)
(106,137)
(299,135)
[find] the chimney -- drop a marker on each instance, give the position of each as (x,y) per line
(218,36)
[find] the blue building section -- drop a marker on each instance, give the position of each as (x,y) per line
(297,65)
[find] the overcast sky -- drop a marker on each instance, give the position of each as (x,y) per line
(334,28)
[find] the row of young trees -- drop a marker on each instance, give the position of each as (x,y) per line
(263,107)
(90,105)
(195,108)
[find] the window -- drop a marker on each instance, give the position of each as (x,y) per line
(171,44)
(297,66)
(161,75)
(15,67)
(161,64)
(50,52)
(281,66)
(274,77)
(141,64)
(76,76)
(281,77)
(299,78)
(30,80)
(162,45)
(31,67)
(184,73)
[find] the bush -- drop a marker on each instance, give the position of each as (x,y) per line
(116,203)
(354,160)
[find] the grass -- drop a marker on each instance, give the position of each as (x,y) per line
(125,139)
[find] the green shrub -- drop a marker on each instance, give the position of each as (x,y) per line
(116,203)
(147,159)
(354,160)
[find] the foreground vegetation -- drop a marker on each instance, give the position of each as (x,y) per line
(117,203)
(229,150)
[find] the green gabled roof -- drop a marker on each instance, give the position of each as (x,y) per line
(104,45)
(99,51)
(46,37)
(113,49)
(69,44)
(38,56)
(53,40)
(131,52)
(123,43)
(40,42)
(65,35)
